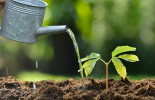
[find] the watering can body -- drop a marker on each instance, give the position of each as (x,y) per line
(22,21)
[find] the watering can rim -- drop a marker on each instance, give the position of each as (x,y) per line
(42,3)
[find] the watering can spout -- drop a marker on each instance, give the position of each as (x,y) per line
(49,30)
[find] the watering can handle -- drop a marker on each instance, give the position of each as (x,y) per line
(49,30)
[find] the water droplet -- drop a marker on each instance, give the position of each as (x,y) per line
(37,64)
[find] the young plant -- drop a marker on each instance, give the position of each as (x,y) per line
(91,60)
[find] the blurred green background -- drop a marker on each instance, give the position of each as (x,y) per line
(99,26)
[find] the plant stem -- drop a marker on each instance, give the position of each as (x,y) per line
(107,64)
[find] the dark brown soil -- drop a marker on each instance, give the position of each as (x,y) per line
(86,89)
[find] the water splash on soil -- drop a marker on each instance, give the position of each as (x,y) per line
(34,85)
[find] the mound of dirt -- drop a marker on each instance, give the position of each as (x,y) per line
(85,89)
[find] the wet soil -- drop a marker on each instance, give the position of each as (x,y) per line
(86,89)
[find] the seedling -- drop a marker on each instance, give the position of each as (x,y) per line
(91,60)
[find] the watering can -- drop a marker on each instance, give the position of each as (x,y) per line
(22,21)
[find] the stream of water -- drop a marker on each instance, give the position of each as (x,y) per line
(71,34)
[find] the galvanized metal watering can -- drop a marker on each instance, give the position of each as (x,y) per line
(22,21)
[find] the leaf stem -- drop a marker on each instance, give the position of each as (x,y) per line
(109,61)
(103,61)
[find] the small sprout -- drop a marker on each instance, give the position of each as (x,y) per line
(91,60)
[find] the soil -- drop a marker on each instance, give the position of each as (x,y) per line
(85,89)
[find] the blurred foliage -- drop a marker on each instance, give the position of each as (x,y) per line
(99,26)
(38,76)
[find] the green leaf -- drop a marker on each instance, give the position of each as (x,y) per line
(88,66)
(129,57)
(91,56)
(121,49)
(120,68)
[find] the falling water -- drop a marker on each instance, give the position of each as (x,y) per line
(34,85)
(71,34)
(37,65)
